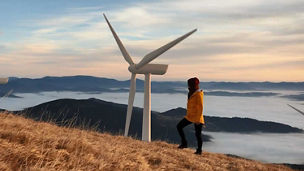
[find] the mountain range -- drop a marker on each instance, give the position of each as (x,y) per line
(98,84)
(110,117)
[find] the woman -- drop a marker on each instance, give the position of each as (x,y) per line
(194,115)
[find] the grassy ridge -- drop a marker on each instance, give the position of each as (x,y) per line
(28,144)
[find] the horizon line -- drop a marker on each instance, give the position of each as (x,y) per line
(170,80)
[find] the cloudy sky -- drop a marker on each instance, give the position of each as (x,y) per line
(237,40)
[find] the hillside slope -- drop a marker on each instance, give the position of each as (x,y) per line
(25,143)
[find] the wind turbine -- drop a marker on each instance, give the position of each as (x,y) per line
(298,110)
(3,80)
(144,67)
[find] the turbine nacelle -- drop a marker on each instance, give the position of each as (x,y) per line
(154,69)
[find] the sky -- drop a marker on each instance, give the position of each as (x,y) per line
(237,40)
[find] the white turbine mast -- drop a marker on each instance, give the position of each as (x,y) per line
(3,80)
(144,67)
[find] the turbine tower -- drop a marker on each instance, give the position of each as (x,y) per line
(144,67)
(3,80)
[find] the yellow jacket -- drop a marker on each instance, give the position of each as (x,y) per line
(195,108)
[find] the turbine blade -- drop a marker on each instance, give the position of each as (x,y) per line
(3,80)
(7,94)
(130,102)
(298,110)
(123,50)
(154,54)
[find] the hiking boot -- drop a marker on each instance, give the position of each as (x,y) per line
(198,152)
(182,146)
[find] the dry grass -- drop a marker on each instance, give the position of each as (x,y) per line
(29,145)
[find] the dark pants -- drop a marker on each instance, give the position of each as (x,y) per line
(198,132)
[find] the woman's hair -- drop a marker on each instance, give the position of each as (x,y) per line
(193,82)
